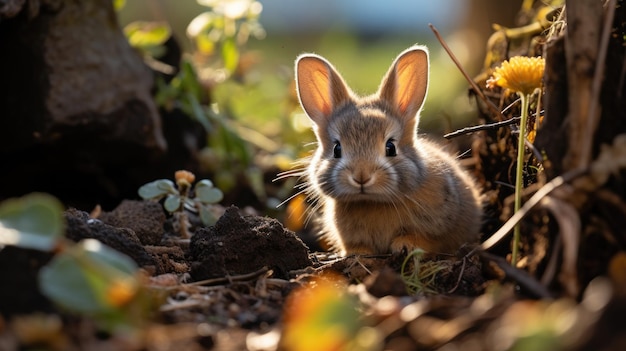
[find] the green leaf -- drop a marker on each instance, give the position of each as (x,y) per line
(205,183)
(147,34)
(172,203)
(80,279)
(34,221)
(230,54)
(206,193)
(157,189)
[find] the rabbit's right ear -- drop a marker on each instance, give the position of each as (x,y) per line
(405,85)
(320,87)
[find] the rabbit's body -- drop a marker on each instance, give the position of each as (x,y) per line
(381,188)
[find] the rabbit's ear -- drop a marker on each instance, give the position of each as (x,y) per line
(405,84)
(320,87)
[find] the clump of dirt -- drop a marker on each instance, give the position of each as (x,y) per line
(242,244)
(145,218)
(81,226)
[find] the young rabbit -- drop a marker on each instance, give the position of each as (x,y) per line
(380,187)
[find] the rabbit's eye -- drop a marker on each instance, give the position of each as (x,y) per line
(390,148)
(337,150)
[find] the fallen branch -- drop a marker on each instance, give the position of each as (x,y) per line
(520,276)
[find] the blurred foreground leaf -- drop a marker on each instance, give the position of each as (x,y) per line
(34,221)
(322,316)
(93,279)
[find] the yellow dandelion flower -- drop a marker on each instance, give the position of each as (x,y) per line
(520,74)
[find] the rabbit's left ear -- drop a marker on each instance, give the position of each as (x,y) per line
(321,90)
(405,84)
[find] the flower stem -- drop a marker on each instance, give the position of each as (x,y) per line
(519,173)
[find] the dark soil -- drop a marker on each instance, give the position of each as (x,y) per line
(239,245)
(235,275)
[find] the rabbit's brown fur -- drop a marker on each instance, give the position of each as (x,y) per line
(381,188)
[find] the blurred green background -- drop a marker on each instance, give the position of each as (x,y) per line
(360,38)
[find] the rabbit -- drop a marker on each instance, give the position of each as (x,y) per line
(380,187)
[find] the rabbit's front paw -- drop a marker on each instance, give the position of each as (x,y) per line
(405,244)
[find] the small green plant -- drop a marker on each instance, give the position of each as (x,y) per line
(87,277)
(419,276)
(182,196)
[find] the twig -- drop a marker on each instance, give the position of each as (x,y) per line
(473,129)
(494,125)
(458,281)
(521,277)
(229,279)
(473,84)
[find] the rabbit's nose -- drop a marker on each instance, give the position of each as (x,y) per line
(361,179)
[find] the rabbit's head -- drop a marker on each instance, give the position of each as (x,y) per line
(368,148)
